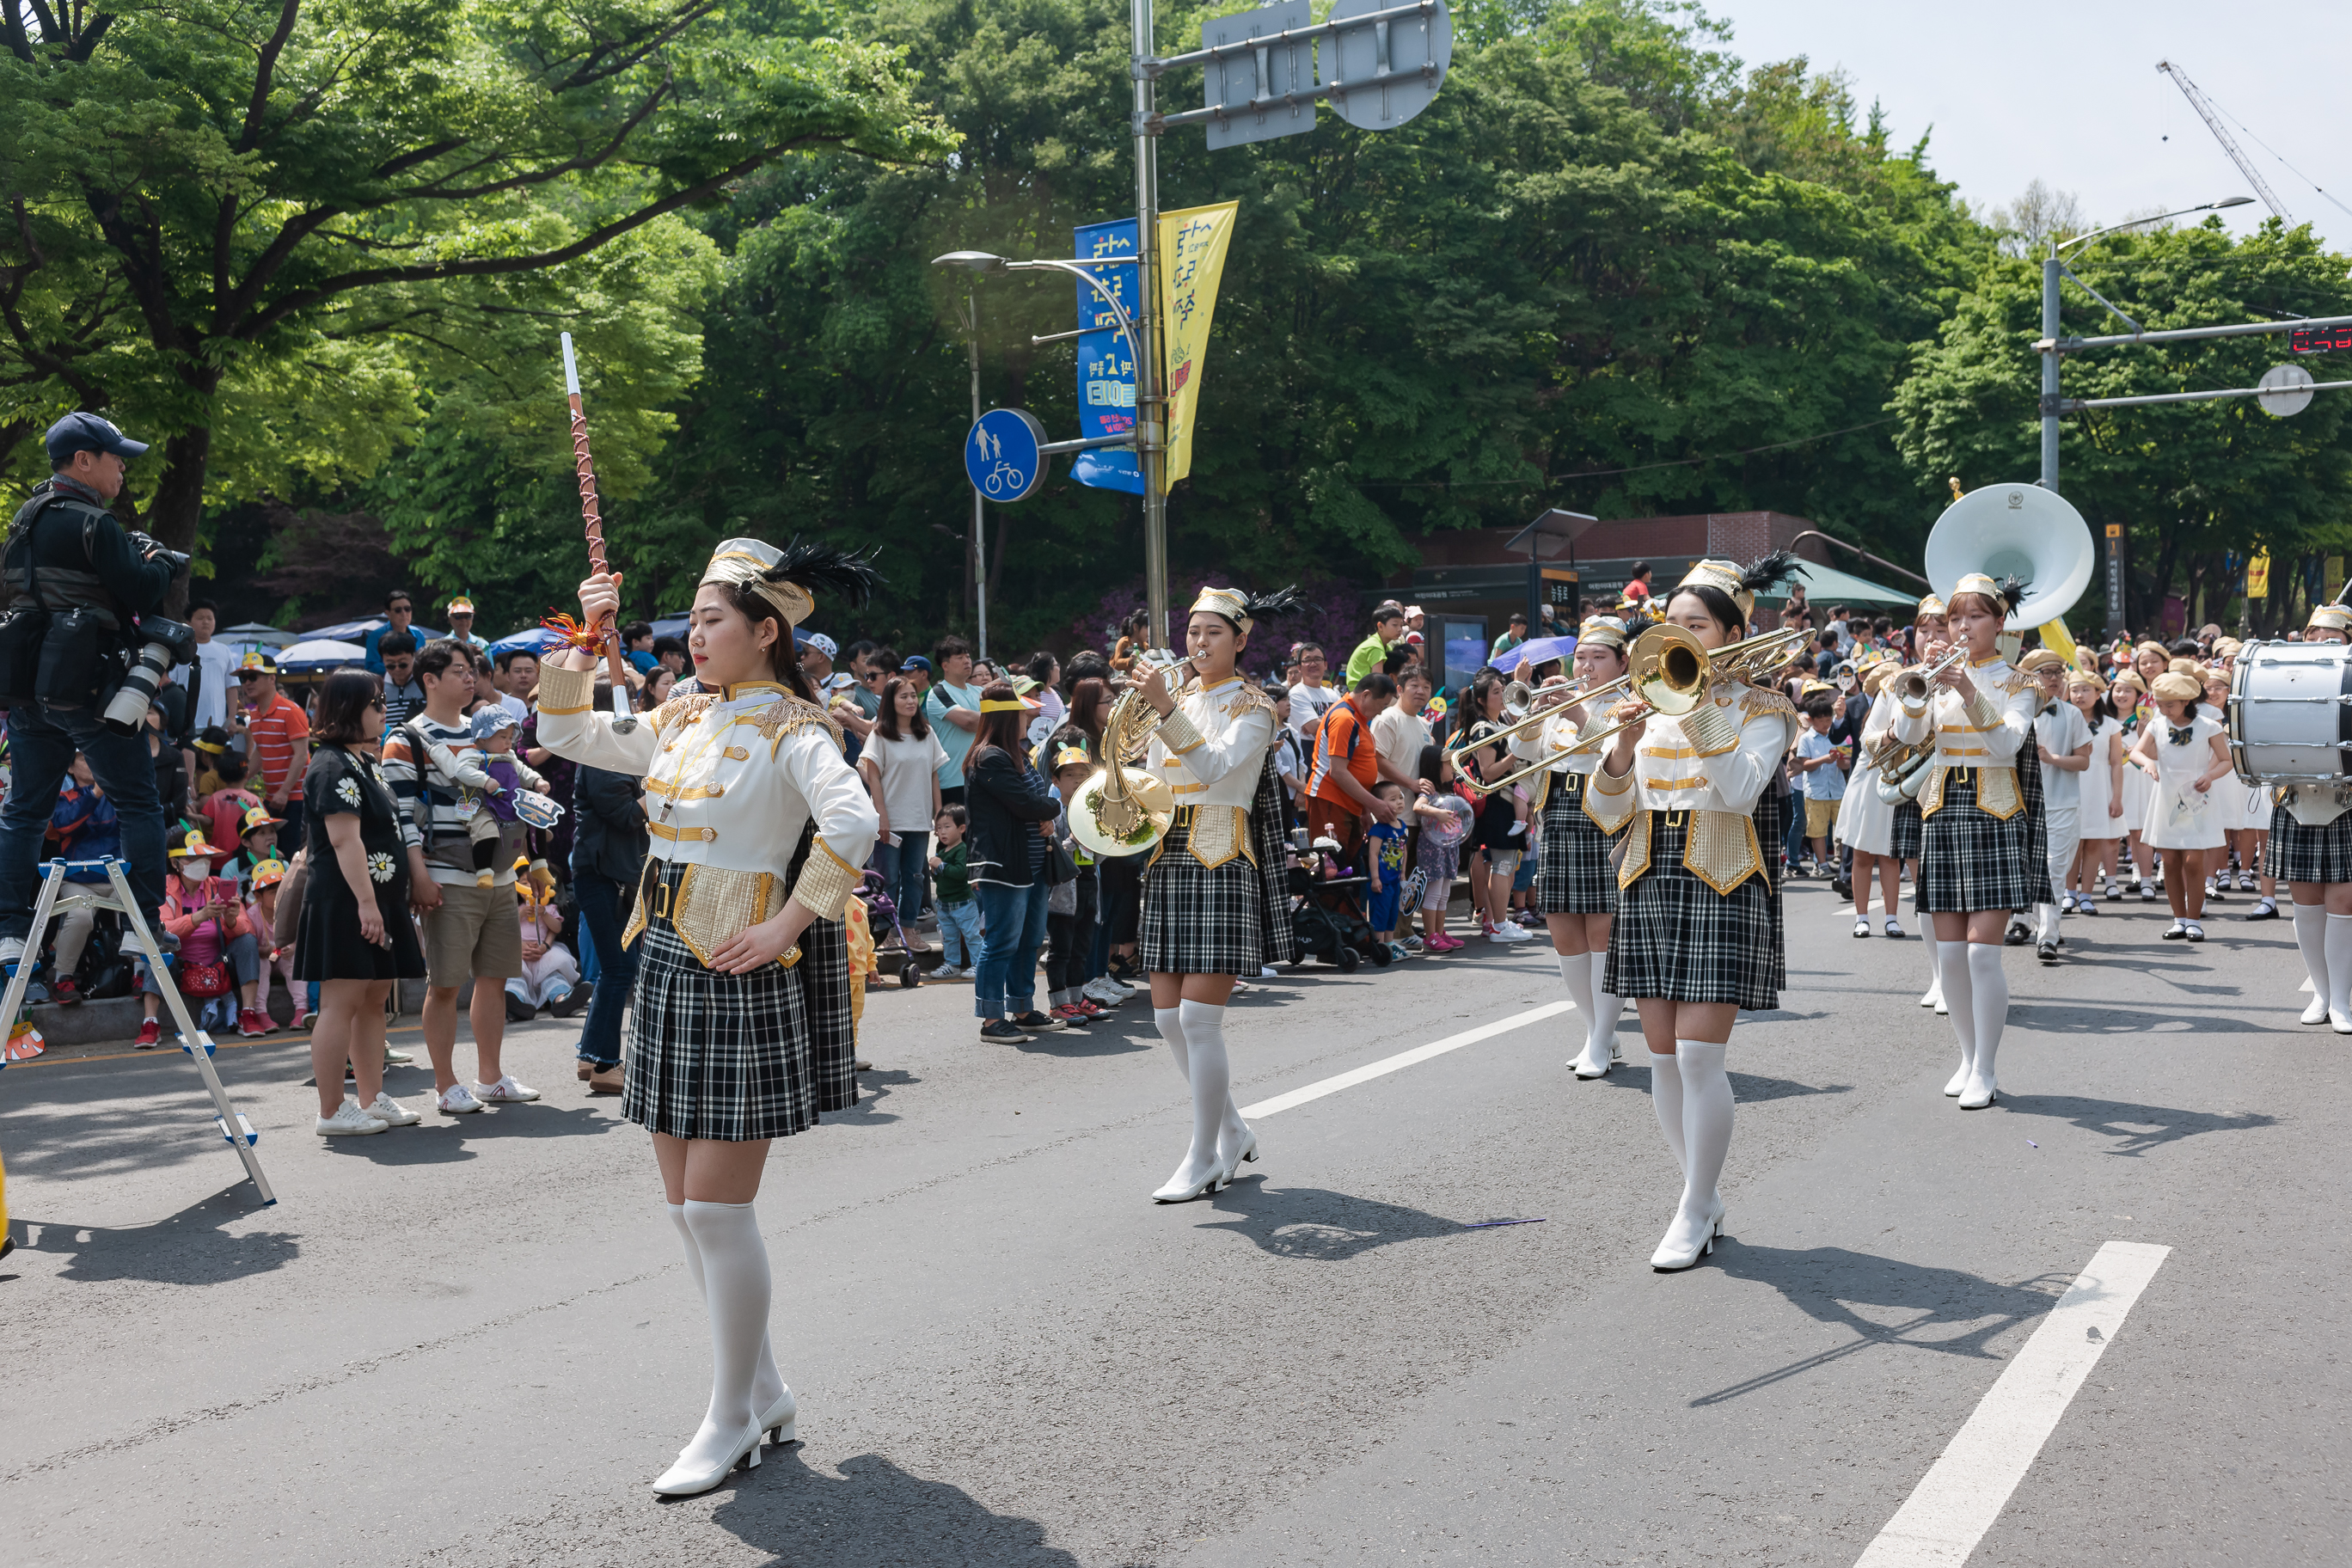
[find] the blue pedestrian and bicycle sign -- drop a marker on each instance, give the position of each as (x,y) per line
(1001,456)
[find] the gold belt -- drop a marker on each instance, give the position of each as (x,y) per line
(705,907)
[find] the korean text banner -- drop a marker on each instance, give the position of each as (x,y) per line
(1193,244)
(1106,360)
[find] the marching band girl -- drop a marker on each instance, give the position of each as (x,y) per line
(759,829)
(1866,822)
(1978,815)
(2310,851)
(2101,807)
(1693,939)
(1214,904)
(1930,627)
(2062,747)
(1576,888)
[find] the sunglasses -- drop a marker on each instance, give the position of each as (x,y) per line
(375,703)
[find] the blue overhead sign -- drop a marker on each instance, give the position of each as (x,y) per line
(1105,358)
(1001,455)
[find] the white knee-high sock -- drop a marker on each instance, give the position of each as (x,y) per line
(2311,937)
(1935,948)
(1989,1002)
(1576,971)
(2046,922)
(1170,1022)
(1666,1099)
(736,1285)
(1607,1008)
(1707,1120)
(1205,1040)
(2339,963)
(767,1383)
(1952,962)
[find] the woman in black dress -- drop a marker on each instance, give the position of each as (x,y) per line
(356,937)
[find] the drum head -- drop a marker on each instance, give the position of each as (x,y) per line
(2289,720)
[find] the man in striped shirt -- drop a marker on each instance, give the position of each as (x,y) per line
(278,739)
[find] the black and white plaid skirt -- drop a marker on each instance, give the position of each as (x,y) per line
(1905,846)
(1196,920)
(739,1057)
(1573,876)
(2300,853)
(1677,937)
(1972,862)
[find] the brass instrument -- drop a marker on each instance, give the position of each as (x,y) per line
(1527,709)
(1121,809)
(1670,670)
(1902,769)
(1916,689)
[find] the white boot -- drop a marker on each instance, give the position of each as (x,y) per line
(1666,1099)
(1989,1001)
(1600,1049)
(1706,1139)
(770,1395)
(1959,993)
(2311,937)
(1201,1174)
(1576,973)
(2339,974)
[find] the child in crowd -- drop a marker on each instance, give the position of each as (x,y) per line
(1820,767)
(496,825)
(1070,906)
(550,975)
(952,899)
(257,836)
(1384,861)
(262,916)
(222,799)
(205,915)
(1445,817)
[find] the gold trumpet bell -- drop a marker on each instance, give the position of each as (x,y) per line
(1125,816)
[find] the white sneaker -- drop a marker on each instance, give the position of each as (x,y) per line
(12,948)
(348,1122)
(1104,992)
(458,1100)
(1507,933)
(506,1092)
(390,1111)
(1269,972)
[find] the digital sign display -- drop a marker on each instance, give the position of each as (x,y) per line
(2319,340)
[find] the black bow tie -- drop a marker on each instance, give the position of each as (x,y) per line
(2180,737)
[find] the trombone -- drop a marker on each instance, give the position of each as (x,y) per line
(1524,710)
(1670,670)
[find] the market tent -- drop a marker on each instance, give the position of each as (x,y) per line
(316,654)
(253,634)
(535,639)
(1828,586)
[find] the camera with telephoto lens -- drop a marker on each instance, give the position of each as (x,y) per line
(150,551)
(162,644)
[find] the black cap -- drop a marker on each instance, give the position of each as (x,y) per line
(88,433)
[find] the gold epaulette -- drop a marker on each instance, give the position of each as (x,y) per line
(1756,700)
(788,715)
(1249,697)
(680,711)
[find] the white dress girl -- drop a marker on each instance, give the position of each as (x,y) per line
(2098,781)
(2180,816)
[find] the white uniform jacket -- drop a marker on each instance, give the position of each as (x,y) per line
(1559,732)
(1712,764)
(731,780)
(1985,733)
(1211,751)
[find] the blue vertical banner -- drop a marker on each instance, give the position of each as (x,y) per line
(1106,359)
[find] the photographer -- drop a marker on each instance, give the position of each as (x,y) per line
(67,555)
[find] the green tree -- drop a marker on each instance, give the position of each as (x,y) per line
(2195,483)
(277,233)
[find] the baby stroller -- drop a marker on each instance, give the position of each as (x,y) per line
(1324,907)
(881,915)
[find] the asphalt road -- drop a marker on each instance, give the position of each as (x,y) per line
(472,1341)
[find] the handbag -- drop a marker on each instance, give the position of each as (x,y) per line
(203,981)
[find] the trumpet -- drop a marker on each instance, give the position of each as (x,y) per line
(1670,670)
(1916,689)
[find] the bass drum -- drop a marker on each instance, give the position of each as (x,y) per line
(2291,712)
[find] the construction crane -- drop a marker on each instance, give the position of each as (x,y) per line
(2205,110)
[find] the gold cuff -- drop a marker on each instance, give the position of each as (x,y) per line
(1710,730)
(1176,733)
(1603,779)
(1982,709)
(827,882)
(566,690)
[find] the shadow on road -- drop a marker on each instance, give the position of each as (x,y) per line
(874,1513)
(186,1248)
(442,1139)
(1747,1087)
(1948,1310)
(1319,1225)
(2106,1020)
(2136,1128)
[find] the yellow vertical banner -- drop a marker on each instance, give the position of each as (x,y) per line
(2332,569)
(1192,245)
(2258,576)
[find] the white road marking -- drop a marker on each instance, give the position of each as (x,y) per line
(1965,1491)
(1387,1064)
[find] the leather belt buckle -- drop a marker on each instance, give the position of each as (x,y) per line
(1678,818)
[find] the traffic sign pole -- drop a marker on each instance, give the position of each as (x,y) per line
(1151,414)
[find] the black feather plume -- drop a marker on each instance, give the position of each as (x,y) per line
(1281,602)
(2012,592)
(1769,573)
(826,569)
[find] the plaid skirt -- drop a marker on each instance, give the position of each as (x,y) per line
(1971,862)
(1677,937)
(1196,920)
(739,1057)
(1907,831)
(1573,876)
(2300,853)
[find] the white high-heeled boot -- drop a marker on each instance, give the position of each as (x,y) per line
(1607,1008)
(1988,1000)
(737,1286)
(771,1395)
(1959,994)
(1934,995)
(1576,973)
(1706,1139)
(1200,1172)
(2339,974)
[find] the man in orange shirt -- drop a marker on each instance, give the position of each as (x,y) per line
(278,739)
(1347,765)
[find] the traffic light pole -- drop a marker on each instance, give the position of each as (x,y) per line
(1150,410)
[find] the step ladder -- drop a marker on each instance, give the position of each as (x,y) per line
(57,896)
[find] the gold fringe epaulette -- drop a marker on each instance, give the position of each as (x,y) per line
(680,711)
(788,715)
(1756,700)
